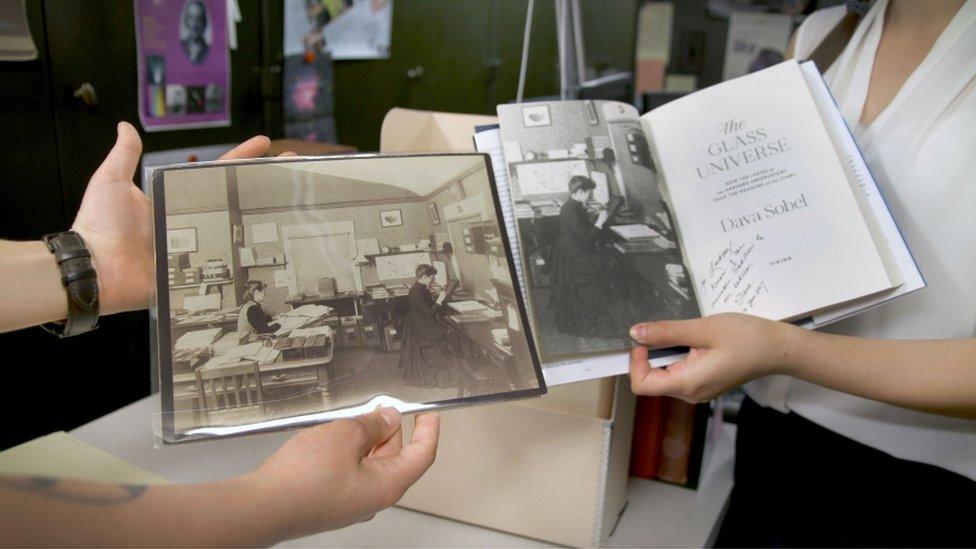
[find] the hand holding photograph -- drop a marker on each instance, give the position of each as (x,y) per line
(365,299)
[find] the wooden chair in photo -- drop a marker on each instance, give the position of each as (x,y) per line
(327,370)
(231,394)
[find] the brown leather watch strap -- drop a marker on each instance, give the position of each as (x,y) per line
(80,281)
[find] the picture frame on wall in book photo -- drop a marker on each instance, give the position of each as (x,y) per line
(344,328)
(435,218)
(536,115)
(391,218)
(181,240)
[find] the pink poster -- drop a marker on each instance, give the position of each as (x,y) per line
(184,70)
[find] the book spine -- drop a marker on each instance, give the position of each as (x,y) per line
(645,451)
(678,438)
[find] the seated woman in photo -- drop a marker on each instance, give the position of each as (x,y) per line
(252,320)
(581,295)
(424,352)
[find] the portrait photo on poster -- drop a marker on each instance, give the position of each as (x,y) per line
(340,294)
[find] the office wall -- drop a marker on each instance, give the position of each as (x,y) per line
(448,195)
(307,189)
(570,125)
(196,190)
(366,220)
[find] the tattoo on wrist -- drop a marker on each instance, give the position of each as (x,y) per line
(81,493)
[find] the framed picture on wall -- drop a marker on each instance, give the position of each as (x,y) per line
(181,240)
(432,212)
(391,218)
(536,115)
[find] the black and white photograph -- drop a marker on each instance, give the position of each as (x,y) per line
(599,249)
(195,33)
(196,99)
(155,70)
(289,290)
(176,99)
(214,97)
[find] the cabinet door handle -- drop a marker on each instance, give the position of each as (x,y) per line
(86,93)
(415,72)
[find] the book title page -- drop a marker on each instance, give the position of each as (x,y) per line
(768,218)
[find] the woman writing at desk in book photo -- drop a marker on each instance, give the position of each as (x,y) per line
(581,295)
(323,477)
(252,320)
(863,433)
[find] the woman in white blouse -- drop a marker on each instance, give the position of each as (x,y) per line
(867,440)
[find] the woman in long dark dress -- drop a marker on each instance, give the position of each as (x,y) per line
(581,294)
(423,354)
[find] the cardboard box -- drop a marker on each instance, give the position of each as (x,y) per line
(292,348)
(316,346)
(391,338)
(552,468)
(371,335)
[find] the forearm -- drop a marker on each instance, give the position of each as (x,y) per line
(31,292)
(937,376)
(73,513)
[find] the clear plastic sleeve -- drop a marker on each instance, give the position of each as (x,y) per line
(295,291)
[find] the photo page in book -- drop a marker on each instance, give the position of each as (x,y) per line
(300,290)
(598,242)
(768,219)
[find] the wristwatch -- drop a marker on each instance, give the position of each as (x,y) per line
(79,279)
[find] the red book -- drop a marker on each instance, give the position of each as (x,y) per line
(678,440)
(645,451)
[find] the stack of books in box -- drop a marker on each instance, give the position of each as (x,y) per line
(175,267)
(216,269)
(545,208)
(597,144)
(175,277)
(398,290)
(378,292)
(438,240)
(191,275)
(523,210)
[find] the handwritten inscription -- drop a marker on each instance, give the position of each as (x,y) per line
(730,282)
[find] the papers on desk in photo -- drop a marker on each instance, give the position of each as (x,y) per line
(197,339)
(256,351)
(301,316)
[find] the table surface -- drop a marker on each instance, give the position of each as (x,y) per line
(657,514)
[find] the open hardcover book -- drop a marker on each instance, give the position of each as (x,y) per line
(749,196)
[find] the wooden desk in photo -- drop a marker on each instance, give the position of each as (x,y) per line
(479,335)
(297,373)
(650,266)
(477,338)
